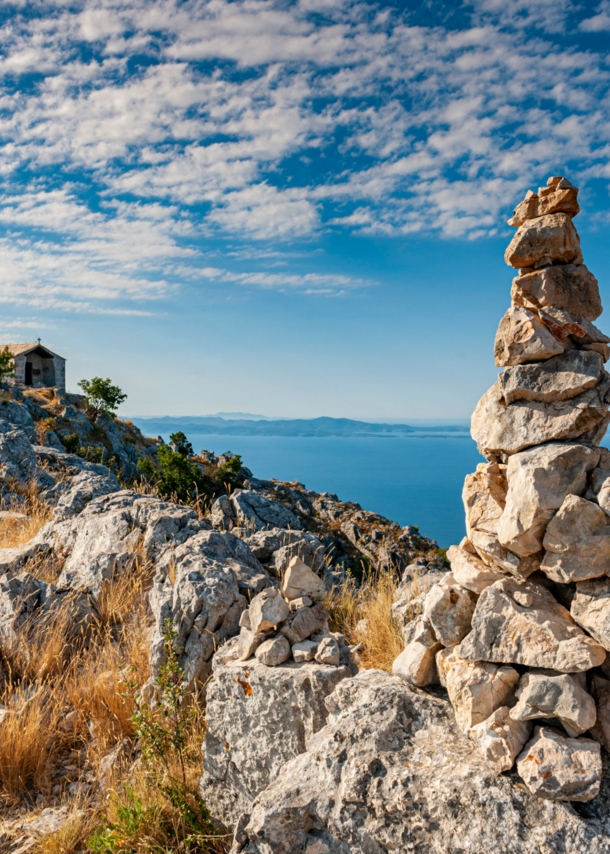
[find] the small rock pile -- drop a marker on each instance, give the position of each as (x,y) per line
(518,631)
(289,623)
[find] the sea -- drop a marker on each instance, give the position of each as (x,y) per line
(414,480)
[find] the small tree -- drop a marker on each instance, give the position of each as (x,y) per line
(101,396)
(7,364)
(181,444)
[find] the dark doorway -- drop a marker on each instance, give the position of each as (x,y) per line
(28,373)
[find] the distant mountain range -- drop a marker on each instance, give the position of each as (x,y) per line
(241,425)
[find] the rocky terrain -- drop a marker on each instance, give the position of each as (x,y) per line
(255,607)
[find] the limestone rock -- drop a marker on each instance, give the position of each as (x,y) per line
(18,461)
(577,542)
(559,196)
(391,772)
(484,497)
(246,646)
(551,236)
(469,571)
(476,688)
(559,378)
(300,581)
(591,609)
(257,719)
(305,622)
(494,554)
(538,481)
(256,512)
(274,651)
(524,624)
(328,652)
(83,488)
(267,610)
(416,581)
(416,663)
(304,651)
(448,609)
(522,337)
(546,694)
(559,768)
(500,739)
(499,429)
(570,287)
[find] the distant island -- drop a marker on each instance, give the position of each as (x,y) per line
(315,427)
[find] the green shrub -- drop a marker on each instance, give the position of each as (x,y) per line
(181,443)
(7,364)
(178,478)
(71,443)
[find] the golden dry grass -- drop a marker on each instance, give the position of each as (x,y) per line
(382,641)
(71,838)
(16,531)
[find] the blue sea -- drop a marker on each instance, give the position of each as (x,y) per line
(412,480)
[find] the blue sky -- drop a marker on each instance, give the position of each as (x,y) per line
(294,208)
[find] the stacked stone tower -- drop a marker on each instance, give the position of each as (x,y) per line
(518,631)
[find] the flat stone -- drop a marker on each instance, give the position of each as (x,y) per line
(571,287)
(304,622)
(469,571)
(591,609)
(267,610)
(448,609)
(500,429)
(301,602)
(304,651)
(273,651)
(559,768)
(524,624)
(484,497)
(522,337)
(500,739)
(416,664)
(577,542)
(546,694)
(552,236)
(559,378)
(300,581)
(538,481)
(476,689)
(559,196)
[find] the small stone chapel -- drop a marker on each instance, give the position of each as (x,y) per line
(37,366)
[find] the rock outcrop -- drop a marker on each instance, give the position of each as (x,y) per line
(535,561)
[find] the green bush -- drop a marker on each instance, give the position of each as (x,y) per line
(181,443)
(71,443)
(7,364)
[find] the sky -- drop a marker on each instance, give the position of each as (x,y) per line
(289,208)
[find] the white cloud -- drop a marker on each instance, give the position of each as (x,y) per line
(600,22)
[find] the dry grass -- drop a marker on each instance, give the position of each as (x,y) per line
(17,531)
(348,605)
(71,838)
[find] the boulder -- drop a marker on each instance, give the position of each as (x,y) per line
(522,337)
(499,429)
(538,481)
(524,624)
(559,196)
(476,688)
(18,462)
(300,581)
(577,542)
(417,662)
(492,553)
(469,571)
(267,610)
(390,772)
(559,378)
(274,651)
(448,609)
(546,694)
(591,609)
(255,512)
(257,719)
(500,739)
(570,287)
(545,240)
(82,489)
(484,497)
(559,768)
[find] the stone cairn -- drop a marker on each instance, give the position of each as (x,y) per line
(288,624)
(518,630)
